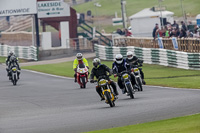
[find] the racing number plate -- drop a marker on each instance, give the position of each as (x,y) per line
(136,69)
(102,82)
(125,76)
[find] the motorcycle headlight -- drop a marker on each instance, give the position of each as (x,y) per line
(102,82)
(14,69)
(125,76)
(136,69)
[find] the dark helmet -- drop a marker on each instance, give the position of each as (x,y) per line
(96,62)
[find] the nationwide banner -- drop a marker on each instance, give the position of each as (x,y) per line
(17,7)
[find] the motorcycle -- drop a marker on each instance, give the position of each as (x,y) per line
(126,81)
(13,75)
(82,75)
(136,73)
(107,90)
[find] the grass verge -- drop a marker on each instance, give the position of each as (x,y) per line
(109,7)
(3,60)
(154,74)
(186,124)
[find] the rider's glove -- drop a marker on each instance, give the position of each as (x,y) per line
(87,67)
(75,69)
(132,70)
(92,81)
(110,74)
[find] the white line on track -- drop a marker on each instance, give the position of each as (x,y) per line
(73,78)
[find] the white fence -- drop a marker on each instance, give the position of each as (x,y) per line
(164,57)
(24,52)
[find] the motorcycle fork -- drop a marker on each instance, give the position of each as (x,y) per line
(110,91)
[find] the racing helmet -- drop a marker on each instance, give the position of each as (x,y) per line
(79,56)
(11,53)
(96,62)
(119,58)
(129,55)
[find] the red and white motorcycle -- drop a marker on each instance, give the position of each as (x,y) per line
(82,75)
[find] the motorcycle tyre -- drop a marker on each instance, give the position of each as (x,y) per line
(83,82)
(108,98)
(139,85)
(14,80)
(130,90)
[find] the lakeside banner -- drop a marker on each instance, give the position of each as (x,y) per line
(17,7)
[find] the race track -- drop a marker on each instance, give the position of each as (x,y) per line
(48,104)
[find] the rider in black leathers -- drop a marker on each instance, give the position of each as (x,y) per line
(101,70)
(12,61)
(134,61)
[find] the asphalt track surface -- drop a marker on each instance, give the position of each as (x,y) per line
(42,103)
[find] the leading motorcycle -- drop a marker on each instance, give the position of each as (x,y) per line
(107,90)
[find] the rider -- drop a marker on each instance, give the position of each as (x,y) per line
(134,61)
(118,66)
(10,53)
(101,70)
(13,61)
(79,60)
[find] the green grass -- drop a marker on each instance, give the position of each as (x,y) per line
(186,124)
(109,7)
(154,74)
(2,59)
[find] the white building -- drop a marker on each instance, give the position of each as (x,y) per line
(143,22)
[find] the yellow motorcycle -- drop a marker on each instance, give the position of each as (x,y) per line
(107,90)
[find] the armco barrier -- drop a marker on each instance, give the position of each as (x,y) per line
(24,52)
(164,57)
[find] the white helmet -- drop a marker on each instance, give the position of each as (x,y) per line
(119,58)
(79,56)
(11,53)
(129,55)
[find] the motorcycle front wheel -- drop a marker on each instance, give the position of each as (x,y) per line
(139,84)
(83,82)
(130,90)
(108,98)
(14,80)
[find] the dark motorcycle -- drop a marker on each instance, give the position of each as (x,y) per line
(126,80)
(136,73)
(14,75)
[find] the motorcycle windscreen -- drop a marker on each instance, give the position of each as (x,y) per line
(81,65)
